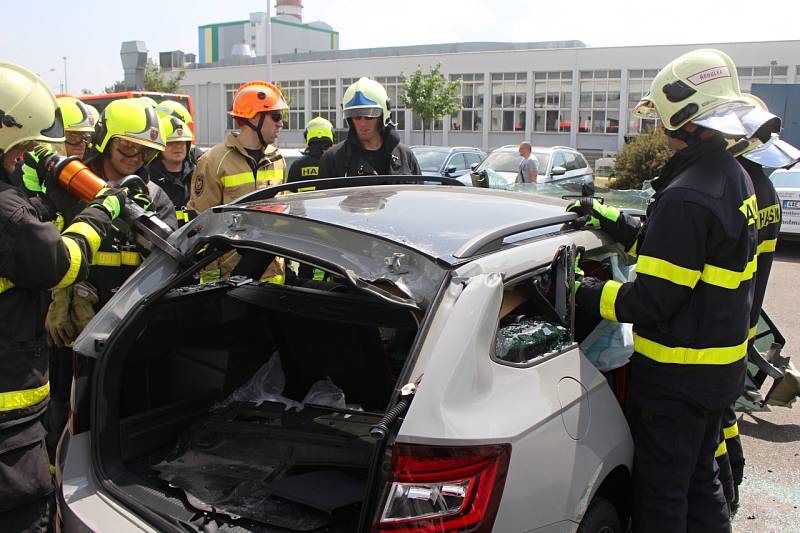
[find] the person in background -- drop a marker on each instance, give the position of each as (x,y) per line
(529,166)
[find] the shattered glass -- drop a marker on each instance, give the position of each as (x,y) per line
(522,339)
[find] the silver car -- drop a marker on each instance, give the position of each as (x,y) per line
(556,163)
(428,376)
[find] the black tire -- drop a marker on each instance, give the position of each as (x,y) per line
(601,517)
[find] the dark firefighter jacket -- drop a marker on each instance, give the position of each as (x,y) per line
(348,158)
(119,255)
(769,224)
(176,187)
(307,167)
(34,257)
(695,261)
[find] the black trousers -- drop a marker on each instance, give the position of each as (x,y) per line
(733,443)
(675,476)
(55,418)
(26,485)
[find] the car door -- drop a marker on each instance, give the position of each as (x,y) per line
(456,166)
(559,160)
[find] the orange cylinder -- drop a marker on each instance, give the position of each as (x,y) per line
(80,181)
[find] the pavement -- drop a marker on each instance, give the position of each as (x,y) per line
(770,492)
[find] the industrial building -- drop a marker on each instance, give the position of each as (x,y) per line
(552,93)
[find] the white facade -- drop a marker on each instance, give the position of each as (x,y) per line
(579,97)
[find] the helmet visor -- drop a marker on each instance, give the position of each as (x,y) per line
(646,109)
(774,154)
(728,119)
(54,132)
(353,112)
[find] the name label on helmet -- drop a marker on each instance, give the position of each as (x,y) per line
(8,120)
(709,75)
(309,171)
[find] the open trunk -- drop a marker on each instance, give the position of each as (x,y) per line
(251,404)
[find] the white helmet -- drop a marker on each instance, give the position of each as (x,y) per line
(764,147)
(28,109)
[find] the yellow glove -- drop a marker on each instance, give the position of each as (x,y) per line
(81,310)
(60,329)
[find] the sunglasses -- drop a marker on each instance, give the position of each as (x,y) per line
(131,149)
(276,117)
(74,139)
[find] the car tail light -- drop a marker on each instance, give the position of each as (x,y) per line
(441,489)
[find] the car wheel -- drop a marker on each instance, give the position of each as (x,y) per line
(601,517)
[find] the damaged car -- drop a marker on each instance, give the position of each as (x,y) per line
(428,376)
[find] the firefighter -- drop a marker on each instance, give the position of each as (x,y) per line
(172,169)
(178,110)
(245,162)
(79,122)
(33,258)
(754,155)
(690,302)
(372,146)
(319,137)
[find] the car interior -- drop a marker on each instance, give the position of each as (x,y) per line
(252,403)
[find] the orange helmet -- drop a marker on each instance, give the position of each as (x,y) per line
(256,97)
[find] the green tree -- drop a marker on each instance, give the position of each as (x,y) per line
(116,87)
(430,96)
(87,91)
(155,80)
(641,159)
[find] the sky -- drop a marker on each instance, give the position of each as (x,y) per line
(39,33)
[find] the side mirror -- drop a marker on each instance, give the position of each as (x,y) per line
(449,170)
(558,171)
(473,166)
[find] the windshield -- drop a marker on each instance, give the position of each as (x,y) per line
(786,179)
(502,162)
(430,160)
(623,198)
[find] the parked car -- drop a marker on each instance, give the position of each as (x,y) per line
(290,155)
(453,162)
(555,163)
(394,396)
(787,185)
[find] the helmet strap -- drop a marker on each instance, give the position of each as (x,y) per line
(257,129)
(689,138)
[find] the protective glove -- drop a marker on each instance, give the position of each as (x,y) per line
(34,169)
(61,331)
(81,310)
(141,198)
(137,191)
(38,178)
(578,270)
(110,200)
(593,214)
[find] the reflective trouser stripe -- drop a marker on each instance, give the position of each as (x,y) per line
(608,300)
(75,258)
(660,268)
(767,246)
(722,449)
(5,284)
(271,176)
(731,431)
(751,333)
(19,399)
(115,259)
(688,356)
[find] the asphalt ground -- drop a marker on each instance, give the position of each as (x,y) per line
(770,492)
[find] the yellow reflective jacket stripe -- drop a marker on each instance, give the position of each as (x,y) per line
(752,333)
(278,279)
(659,268)
(20,399)
(731,431)
(262,176)
(608,300)
(5,284)
(633,249)
(688,356)
(115,259)
(75,259)
(767,246)
(88,232)
(722,449)
(728,279)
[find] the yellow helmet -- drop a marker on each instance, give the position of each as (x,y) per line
(318,128)
(131,119)
(764,147)
(175,129)
(176,109)
(76,115)
(28,108)
(692,86)
(149,101)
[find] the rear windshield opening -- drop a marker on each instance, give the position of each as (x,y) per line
(253,401)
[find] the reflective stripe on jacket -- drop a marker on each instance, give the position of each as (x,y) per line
(227,171)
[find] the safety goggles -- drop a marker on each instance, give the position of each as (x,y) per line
(360,117)
(76,138)
(132,149)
